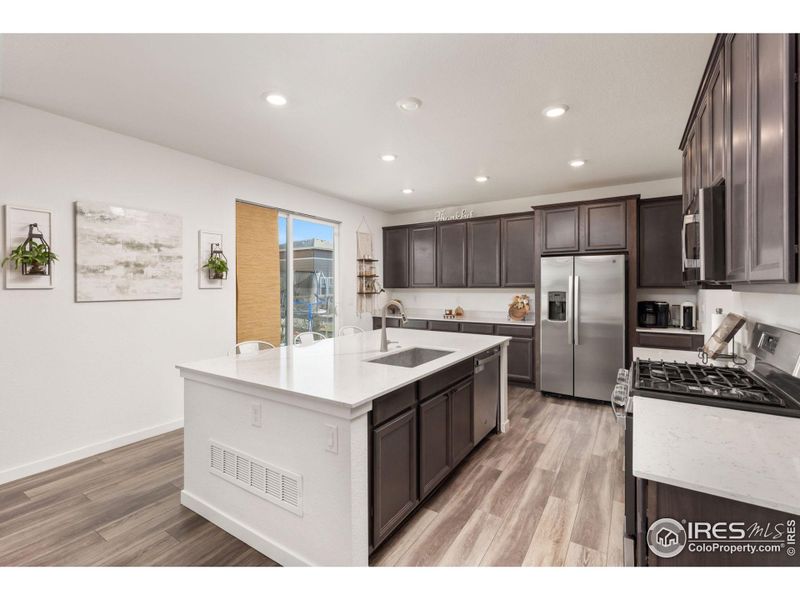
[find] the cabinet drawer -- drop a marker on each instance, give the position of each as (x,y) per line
(444,379)
(414,324)
(483,328)
(525,331)
(444,326)
(672,341)
(393,403)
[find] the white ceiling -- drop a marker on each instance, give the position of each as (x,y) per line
(482,100)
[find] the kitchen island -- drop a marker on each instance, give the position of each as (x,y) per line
(279,444)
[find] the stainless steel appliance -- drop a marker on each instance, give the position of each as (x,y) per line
(688,315)
(771,385)
(486,393)
(704,236)
(582,333)
(653,313)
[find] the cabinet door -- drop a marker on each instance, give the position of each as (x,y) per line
(452,255)
(771,236)
(462,427)
(517,255)
(520,360)
(423,256)
(704,145)
(435,452)
(660,222)
(717,106)
(394,473)
(560,230)
(737,192)
(483,253)
(686,175)
(395,257)
(604,226)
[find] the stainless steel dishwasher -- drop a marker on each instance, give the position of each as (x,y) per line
(487,392)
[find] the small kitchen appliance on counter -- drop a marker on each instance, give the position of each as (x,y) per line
(688,315)
(653,313)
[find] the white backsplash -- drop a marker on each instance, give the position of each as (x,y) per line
(471,300)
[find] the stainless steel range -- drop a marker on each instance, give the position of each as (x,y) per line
(770,385)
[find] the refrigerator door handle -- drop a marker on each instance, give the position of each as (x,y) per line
(577,314)
(570,324)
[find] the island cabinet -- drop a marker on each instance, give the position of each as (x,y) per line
(659,242)
(419,434)
(742,134)
(588,227)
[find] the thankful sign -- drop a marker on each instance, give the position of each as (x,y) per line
(463,213)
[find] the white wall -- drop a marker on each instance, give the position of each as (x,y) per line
(78,378)
(647,189)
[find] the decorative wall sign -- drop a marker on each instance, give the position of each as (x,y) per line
(126,254)
(18,220)
(462,213)
(205,239)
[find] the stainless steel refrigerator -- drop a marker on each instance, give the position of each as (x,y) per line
(582,331)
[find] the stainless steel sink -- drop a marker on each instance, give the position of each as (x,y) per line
(411,357)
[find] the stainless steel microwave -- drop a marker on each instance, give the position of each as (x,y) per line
(703,236)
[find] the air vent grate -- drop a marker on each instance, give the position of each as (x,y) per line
(276,485)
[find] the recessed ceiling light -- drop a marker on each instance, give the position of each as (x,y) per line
(481,178)
(556,110)
(578,162)
(409,104)
(408,191)
(275,99)
(388,157)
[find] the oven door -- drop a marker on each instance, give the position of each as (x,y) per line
(692,249)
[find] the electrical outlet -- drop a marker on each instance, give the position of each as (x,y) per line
(255,414)
(332,439)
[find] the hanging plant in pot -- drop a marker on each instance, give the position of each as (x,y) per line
(217,267)
(31,257)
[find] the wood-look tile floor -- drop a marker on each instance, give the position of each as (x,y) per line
(548,492)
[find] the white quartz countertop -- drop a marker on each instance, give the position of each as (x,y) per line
(746,456)
(335,370)
(494,317)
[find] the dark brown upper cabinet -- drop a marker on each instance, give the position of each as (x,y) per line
(518,235)
(604,226)
(744,123)
(560,230)
(423,256)
(483,250)
(659,239)
(452,255)
(395,257)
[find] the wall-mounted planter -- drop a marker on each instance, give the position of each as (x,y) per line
(18,228)
(208,279)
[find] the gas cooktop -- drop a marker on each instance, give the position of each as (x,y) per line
(727,387)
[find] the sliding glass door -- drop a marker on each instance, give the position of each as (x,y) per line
(308,273)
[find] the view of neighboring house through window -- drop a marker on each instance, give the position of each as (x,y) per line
(307,258)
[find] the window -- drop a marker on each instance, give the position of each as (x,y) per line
(308,269)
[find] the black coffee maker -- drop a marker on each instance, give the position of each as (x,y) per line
(653,313)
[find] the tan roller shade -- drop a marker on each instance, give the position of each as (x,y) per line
(258,278)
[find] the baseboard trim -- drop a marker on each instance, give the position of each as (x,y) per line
(236,528)
(58,460)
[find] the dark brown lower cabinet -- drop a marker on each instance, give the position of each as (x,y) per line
(394,473)
(658,500)
(435,453)
(674,341)
(461,421)
(520,360)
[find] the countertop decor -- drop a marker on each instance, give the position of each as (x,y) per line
(519,308)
